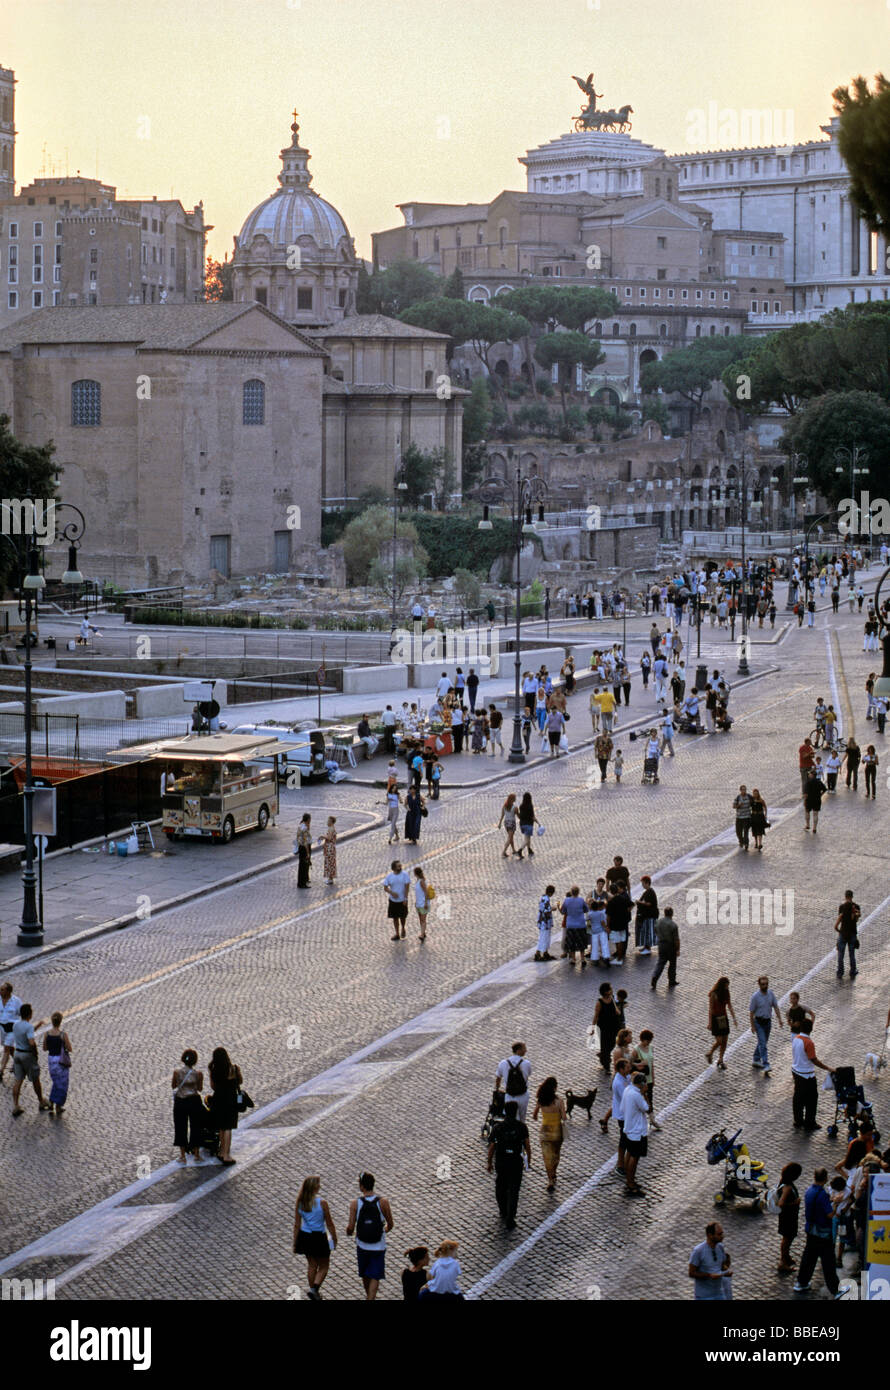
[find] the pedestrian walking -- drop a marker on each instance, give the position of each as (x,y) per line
(574,918)
(527,822)
(870,761)
(818,1213)
(225,1085)
(667,732)
(642,1059)
(495,726)
(606,701)
(57,1046)
(743,810)
(395,886)
(812,798)
(189,1115)
(618,766)
(370,1219)
(667,940)
(851,760)
(421,900)
(711,1267)
(607,1019)
(720,1011)
(555,728)
(414,809)
(550,1106)
(647,915)
(328,841)
(472,688)
(508,821)
(10,1006)
(762,1005)
(832,768)
(512,1075)
(602,750)
(635,1117)
(25,1059)
(393,802)
(618,912)
(436,779)
(847,927)
(315,1234)
(797,1012)
(759,819)
(620,1083)
(803,1073)
(788,1203)
(303,850)
(645,669)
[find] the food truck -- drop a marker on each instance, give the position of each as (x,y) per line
(215,785)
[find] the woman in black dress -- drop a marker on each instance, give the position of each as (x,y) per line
(413,803)
(225,1083)
(758,818)
(789,1213)
(607,1018)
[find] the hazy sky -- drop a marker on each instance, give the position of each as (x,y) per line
(398,99)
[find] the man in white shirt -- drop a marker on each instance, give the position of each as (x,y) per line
(26,1063)
(417,612)
(388,720)
(635,1115)
(512,1073)
(444,685)
(396,886)
(10,1006)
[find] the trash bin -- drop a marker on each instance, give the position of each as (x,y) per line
(701,676)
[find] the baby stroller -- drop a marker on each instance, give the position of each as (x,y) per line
(209,1133)
(744,1177)
(849,1103)
(495,1115)
(650,772)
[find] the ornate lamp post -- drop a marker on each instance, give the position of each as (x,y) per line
(396,506)
(521,495)
(798,479)
(31,585)
(854,458)
(882,684)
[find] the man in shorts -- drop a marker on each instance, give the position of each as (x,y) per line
(10,1004)
(370,1217)
(635,1116)
(25,1062)
(396,885)
(495,724)
(513,1074)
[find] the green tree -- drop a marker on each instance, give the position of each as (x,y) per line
(25,470)
(690,371)
(441,315)
(365,299)
(537,419)
(476,427)
(654,409)
(454,285)
(420,470)
(864,142)
(567,351)
(218,279)
(364,537)
(468,588)
(842,419)
(393,290)
(408,571)
(475,324)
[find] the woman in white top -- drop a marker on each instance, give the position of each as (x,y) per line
(188,1109)
(444,1273)
(421,900)
(393,801)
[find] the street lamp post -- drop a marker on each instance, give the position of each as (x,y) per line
(817,521)
(521,494)
(797,480)
(397,488)
(854,457)
(743,498)
(32,584)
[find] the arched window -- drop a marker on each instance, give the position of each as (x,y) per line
(253,403)
(502,236)
(698,330)
(428,379)
(435,241)
(458,237)
(86,403)
(597,329)
(415,248)
(633,330)
(712,331)
(662,330)
(616,329)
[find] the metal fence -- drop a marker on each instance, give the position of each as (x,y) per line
(282,685)
(102,802)
(70,737)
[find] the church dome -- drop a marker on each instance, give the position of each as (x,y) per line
(295,209)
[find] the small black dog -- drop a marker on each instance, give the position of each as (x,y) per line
(584,1102)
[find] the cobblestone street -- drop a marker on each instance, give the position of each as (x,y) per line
(361,1053)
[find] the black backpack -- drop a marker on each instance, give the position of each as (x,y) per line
(369,1223)
(508,1142)
(516,1084)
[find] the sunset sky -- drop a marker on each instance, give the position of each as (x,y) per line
(398,99)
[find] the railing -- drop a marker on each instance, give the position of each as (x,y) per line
(284,685)
(72,738)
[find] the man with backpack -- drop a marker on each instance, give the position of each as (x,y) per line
(512,1075)
(370,1217)
(509,1146)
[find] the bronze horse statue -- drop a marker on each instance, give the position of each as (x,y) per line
(591,119)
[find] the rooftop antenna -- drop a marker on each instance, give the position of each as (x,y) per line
(43,165)
(66,161)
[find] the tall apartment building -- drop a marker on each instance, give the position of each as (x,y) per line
(72,241)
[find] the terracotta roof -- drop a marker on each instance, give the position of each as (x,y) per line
(372,326)
(169,326)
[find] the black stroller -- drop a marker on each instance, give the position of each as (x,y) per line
(849,1104)
(495,1115)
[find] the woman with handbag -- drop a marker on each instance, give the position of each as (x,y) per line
(188,1111)
(527,822)
(759,822)
(225,1085)
(551,1108)
(414,809)
(719,1010)
(57,1046)
(328,841)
